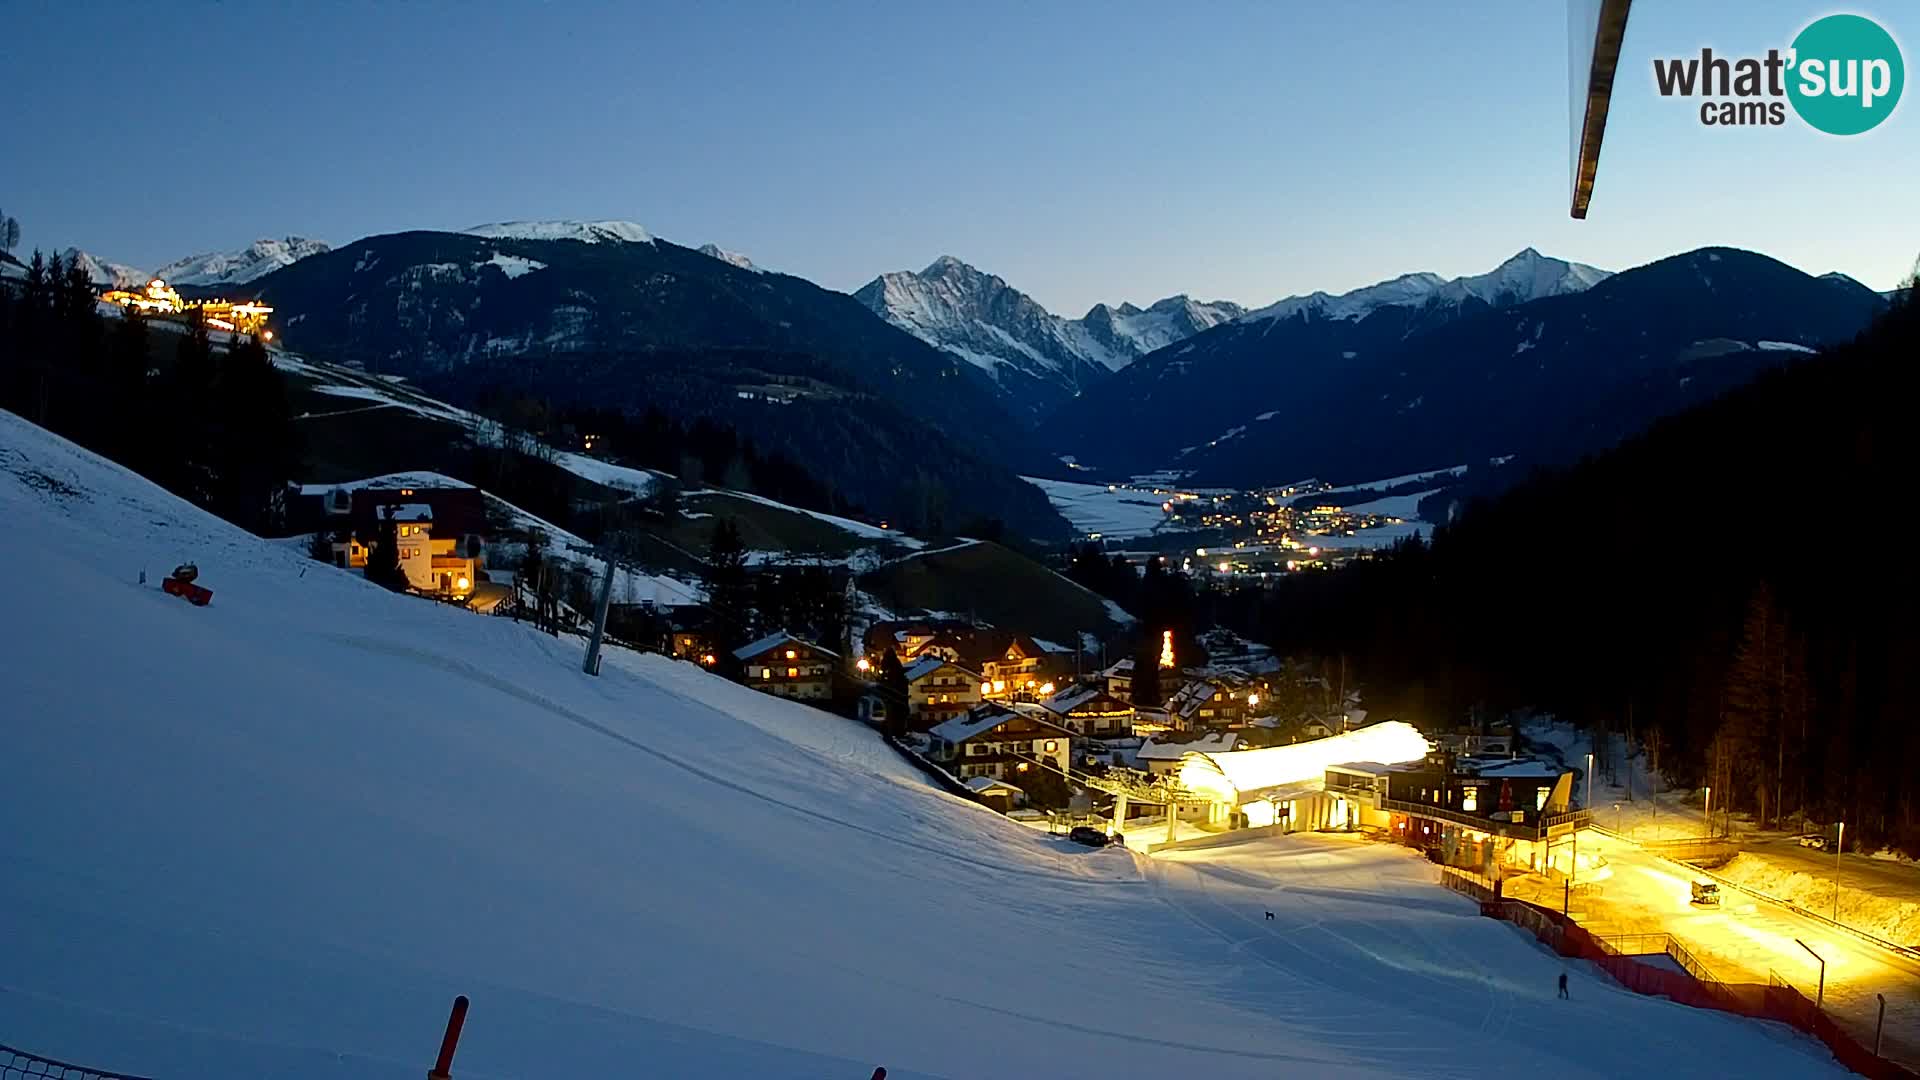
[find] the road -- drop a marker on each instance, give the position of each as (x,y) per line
(1894,880)
(1744,940)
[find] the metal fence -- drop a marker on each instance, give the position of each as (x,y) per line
(1776,1000)
(20,1065)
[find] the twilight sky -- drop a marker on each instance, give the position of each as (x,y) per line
(1085,151)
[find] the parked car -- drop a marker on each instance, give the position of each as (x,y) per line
(1814,840)
(1088,835)
(1706,893)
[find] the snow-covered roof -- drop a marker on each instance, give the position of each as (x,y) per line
(407,512)
(984,783)
(1190,697)
(1119,667)
(1521,770)
(982,720)
(1235,776)
(1370,768)
(1072,698)
(748,652)
(1215,742)
(927,665)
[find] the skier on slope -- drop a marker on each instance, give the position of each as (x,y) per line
(1563,984)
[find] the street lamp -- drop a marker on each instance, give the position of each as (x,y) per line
(1589,781)
(1707,810)
(1839,843)
(1821,998)
(1617,824)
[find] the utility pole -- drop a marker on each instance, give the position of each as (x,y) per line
(591,665)
(1839,845)
(1879,1024)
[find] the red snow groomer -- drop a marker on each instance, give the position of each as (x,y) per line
(180,584)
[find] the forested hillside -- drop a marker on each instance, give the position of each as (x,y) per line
(1731,586)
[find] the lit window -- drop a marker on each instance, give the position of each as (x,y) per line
(1540,799)
(1469,798)
(1051,744)
(766,673)
(791,654)
(793,672)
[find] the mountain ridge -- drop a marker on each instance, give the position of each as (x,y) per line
(1038,358)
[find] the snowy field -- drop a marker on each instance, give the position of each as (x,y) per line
(275,836)
(1091,508)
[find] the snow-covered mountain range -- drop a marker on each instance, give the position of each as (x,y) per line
(1032,352)
(259,258)
(1526,276)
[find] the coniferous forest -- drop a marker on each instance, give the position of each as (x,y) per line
(1729,589)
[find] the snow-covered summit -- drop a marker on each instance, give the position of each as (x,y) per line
(257,259)
(591,232)
(731,258)
(1526,276)
(978,317)
(102,272)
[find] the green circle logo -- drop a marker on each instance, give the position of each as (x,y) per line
(1846,74)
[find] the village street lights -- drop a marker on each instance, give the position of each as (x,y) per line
(1839,843)
(1821,997)
(1589,781)
(1707,811)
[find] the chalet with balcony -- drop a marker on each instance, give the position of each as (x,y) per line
(1088,709)
(939,690)
(1119,679)
(1207,703)
(785,666)
(994,741)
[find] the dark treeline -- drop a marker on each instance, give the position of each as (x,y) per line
(806,600)
(207,421)
(1162,599)
(1729,590)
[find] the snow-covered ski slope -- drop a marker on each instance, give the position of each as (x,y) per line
(275,836)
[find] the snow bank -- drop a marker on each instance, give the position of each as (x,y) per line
(274,836)
(1884,917)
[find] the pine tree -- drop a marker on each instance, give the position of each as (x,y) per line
(892,685)
(729,591)
(1148,690)
(255,447)
(130,420)
(383,555)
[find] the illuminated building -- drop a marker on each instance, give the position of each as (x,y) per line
(939,689)
(161,300)
(785,666)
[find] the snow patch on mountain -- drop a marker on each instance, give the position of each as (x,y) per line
(1526,276)
(512,265)
(589,232)
(257,259)
(731,258)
